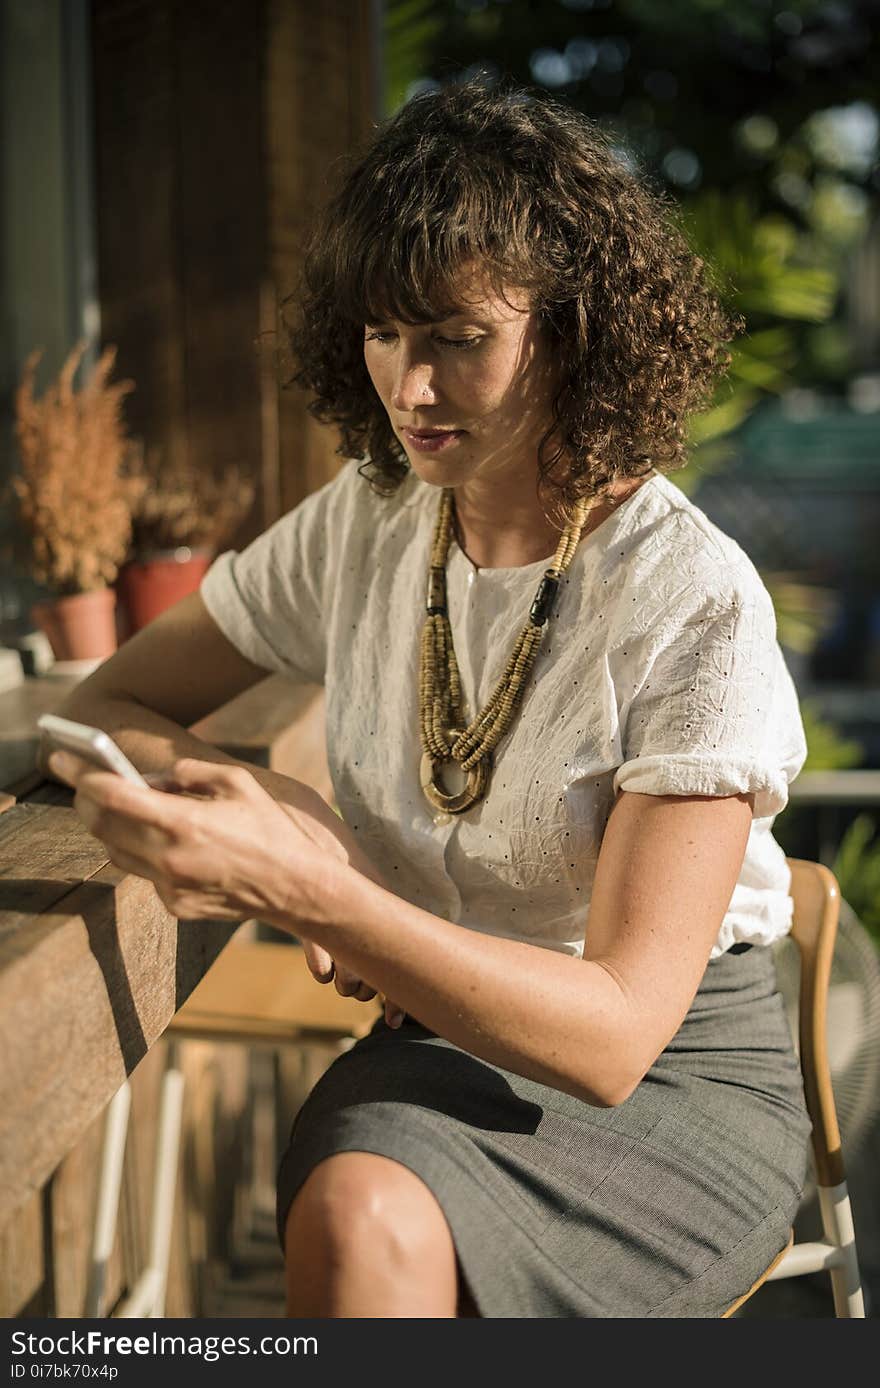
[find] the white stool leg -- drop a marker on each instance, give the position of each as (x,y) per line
(147,1296)
(109,1184)
(837,1222)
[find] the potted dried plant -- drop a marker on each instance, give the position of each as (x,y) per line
(182,517)
(74,501)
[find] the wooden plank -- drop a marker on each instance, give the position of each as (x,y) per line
(259,716)
(263,991)
(72,1193)
(73,927)
(85,990)
(22,1261)
(275,723)
(45,852)
(278,724)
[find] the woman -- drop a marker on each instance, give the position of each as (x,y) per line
(558,773)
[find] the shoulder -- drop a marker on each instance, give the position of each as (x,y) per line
(681,565)
(345,505)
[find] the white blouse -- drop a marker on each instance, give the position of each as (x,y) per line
(660,672)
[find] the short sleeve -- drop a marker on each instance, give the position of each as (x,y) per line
(717,713)
(269,599)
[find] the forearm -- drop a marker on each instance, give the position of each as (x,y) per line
(149,740)
(551,1017)
(153,743)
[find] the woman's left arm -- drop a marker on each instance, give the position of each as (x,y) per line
(591,1027)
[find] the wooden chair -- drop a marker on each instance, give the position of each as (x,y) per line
(816,899)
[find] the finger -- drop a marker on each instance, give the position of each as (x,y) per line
(320,963)
(67,766)
(130,862)
(348,985)
(110,806)
(394,1015)
(195,777)
(165,782)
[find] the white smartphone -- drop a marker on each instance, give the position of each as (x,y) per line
(93,744)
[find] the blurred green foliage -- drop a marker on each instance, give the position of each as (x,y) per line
(826,749)
(857,869)
(760,120)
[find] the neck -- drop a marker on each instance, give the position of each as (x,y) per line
(505,548)
(521,534)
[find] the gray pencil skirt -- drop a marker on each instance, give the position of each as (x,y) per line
(670,1204)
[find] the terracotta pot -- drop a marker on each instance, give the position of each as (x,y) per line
(148,587)
(81,626)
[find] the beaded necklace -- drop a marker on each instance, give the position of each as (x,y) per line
(445,734)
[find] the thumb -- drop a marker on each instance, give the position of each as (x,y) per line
(320,963)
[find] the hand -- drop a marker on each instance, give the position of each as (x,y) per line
(204,816)
(221,850)
(323,967)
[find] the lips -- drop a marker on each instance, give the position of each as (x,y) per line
(430,433)
(431,440)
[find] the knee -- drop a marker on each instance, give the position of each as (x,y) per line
(355,1202)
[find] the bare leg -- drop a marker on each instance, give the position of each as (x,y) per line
(365,1237)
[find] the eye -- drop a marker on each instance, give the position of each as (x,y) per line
(460,344)
(457,344)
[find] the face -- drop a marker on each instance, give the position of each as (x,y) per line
(469,398)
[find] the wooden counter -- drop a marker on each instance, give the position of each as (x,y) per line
(92,966)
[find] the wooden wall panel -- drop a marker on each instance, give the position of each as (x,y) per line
(136,80)
(321,94)
(22,1261)
(216,127)
(221,226)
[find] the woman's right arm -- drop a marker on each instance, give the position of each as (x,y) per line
(169,675)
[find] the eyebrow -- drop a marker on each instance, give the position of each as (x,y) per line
(459,315)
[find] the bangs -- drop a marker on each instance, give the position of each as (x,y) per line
(397,280)
(451,241)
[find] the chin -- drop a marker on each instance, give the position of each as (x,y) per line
(437,471)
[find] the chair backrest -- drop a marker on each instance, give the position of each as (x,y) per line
(816,898)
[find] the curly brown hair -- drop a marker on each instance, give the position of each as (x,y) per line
(532,191)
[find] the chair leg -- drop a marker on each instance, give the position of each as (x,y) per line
(837,1222)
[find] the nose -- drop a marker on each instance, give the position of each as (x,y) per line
(414,384)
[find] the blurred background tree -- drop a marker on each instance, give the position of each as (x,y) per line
(759,117)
